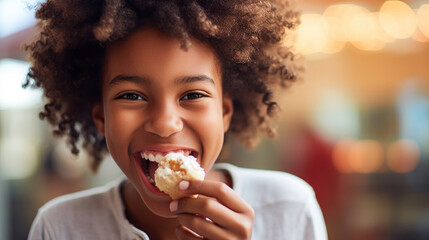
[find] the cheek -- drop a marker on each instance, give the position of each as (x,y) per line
(211,134)
(119,128)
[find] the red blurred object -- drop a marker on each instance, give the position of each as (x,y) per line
(309,156)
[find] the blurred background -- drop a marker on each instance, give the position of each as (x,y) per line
(355,127)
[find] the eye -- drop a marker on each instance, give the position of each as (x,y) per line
(193,95)
(130,96)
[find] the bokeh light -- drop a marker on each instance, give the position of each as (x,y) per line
(423,19)
(403,156)
(366,156)
(12,95)
(366,33)
(338,13)
(358,156)
(334,16)
(340,155)
(312,34)
(369,31)
(397,19)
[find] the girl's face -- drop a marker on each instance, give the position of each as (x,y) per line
(158,98)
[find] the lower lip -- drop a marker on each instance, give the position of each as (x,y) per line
(146,182)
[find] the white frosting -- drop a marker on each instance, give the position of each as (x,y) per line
(164,171)
(189,163)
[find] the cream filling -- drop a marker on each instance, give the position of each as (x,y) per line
(188,163)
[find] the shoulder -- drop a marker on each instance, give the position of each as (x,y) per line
(81,201)
(262,187)
(285,205)
(77,211)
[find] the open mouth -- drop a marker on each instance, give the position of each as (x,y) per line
(148,162)
(149,169)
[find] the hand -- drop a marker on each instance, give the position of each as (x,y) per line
(217,213)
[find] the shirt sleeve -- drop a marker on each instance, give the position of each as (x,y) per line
(39,229)
(312,221)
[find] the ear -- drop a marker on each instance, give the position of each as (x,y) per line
(228,110)
(98,118)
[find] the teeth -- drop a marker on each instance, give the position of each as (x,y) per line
(151,158)
(158,157)
(151,180)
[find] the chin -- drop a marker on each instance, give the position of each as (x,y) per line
(163,212)
(160,205)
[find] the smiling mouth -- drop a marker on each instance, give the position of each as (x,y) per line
(148,162)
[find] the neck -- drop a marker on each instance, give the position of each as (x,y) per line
(144,219)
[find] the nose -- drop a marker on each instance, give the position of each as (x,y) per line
(165,120)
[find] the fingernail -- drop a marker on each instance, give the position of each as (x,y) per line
(183,185)
(173,206)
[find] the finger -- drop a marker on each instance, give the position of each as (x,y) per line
(224,194)
(210,208)
(203,227)
(183,233)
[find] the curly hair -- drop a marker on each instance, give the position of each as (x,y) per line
(67,56)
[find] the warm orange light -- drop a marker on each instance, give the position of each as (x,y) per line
(366,32)
(420,37)
(366,156)
(423,19)
(397,19)
(338,17)
(340,155)
(334,44)
(403,156)
(369,31)
(312,34)
(357,24)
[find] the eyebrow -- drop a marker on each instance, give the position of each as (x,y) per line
(146,81)
(191,79)
(134,79)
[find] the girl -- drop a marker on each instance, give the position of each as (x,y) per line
(134,77)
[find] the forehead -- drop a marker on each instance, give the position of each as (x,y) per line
(150,52)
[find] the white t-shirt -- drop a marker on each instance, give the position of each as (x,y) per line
(285,208)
